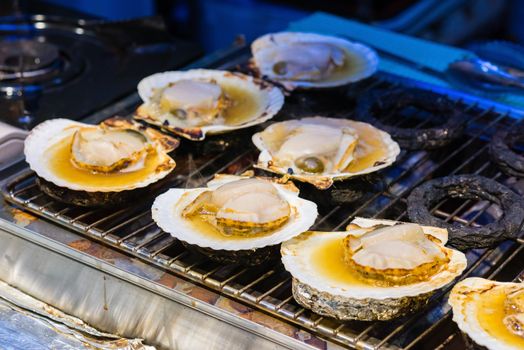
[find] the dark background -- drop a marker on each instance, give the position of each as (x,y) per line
(216,23)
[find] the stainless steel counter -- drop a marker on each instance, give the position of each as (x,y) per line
(122,295)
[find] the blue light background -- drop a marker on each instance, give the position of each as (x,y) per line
(220,21)
(110,9)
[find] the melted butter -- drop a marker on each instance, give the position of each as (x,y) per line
(490,313)
(59,161)
(370,149)
(329,260)
(245,105)
(203,226)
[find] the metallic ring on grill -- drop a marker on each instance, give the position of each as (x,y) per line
(477,187)
(500,150)
(377,103)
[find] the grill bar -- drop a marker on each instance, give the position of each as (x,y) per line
(133,231)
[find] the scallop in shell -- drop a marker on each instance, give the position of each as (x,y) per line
(307,60)
(198,102)
(234,218)
(377,270)
(490,313)
(103,164)
(321,150)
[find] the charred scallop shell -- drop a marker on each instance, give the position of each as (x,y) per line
(500,150)
(451,122)
(198,102)
(508,226)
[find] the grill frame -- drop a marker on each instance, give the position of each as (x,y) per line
(365,335)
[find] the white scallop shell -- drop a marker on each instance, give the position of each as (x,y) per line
(324,180)
(297,259)
(271,99)
(363,58)
(53,131)
(167,213)
(465,314)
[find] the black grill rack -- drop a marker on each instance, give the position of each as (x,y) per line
(268,287)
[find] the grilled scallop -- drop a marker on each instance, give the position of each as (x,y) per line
(198,102)
(235,218)
(108,150)
(243,208)
(91,165)
(321,150)
(490,313)
(377,270)
(307,60)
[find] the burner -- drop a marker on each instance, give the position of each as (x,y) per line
(50,64)
(26,55)
(27,60)
(32,65)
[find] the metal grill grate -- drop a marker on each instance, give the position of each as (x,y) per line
(268,287)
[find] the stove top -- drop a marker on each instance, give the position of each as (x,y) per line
(53,66)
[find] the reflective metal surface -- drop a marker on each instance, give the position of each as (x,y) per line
(482,75)
(27,323)
(114,301)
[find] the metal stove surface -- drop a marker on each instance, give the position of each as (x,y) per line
(53,66)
